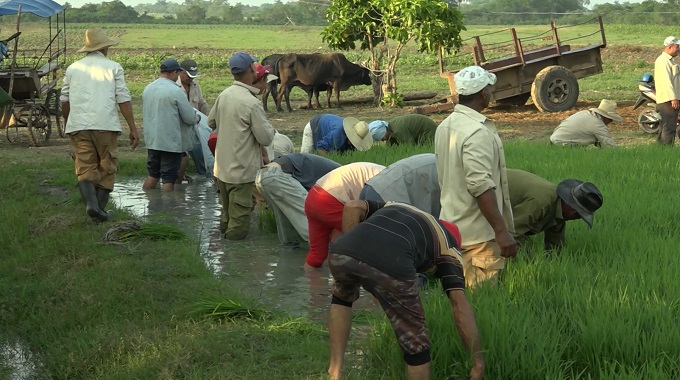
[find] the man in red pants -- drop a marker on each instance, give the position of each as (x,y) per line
(325,201)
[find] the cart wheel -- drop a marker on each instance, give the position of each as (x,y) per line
(39,124)
(13,134)
(53,104)
(517,100)
(554,89)
(649,120)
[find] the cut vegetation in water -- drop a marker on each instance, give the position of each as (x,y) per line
(132,230)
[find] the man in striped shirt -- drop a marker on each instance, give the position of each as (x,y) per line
(383,247)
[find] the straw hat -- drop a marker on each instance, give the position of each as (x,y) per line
(357,132)
(607,109)
(96,39)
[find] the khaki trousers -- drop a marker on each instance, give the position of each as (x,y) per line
(96,156)
(237,203)
(482,262)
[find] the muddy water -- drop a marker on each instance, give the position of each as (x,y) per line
(18,360)
(259,266)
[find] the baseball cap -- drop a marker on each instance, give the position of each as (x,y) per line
(169,65)
(670,40)
(240,62)
(472,80)
(261,71)
(191,67)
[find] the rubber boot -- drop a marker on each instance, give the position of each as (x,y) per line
(89,194)
(103,200)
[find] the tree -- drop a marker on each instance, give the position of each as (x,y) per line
(233,14)
(384,27)
(191,14)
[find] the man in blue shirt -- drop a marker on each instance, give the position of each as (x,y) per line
(168,121)
(331,133)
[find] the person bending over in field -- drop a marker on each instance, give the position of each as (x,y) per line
(539,205)
(588,127)
(383,247)
(411,129)
(327,133)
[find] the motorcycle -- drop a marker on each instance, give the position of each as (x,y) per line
(649,118)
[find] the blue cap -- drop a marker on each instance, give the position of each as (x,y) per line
(170,65)
(240,62)
(378,128)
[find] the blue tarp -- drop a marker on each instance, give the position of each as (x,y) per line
(41,8)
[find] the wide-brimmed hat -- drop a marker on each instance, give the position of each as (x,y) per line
(584,197)
(357,133)
(96,39)
(607,108)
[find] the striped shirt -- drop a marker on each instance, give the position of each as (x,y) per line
(401,240)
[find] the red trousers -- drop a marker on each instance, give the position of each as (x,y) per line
(324,214)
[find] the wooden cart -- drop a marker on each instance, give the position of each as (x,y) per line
(549,74)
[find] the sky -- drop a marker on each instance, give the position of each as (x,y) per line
(79,3)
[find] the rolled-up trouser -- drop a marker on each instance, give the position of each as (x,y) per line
(368,193)
(237,202)
(669,123)
(96,156)
(307,145)
(482,262)
(286,197)
(324,215)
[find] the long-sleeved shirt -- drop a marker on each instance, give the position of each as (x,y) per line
(168,117)
(306,168)
(666,79)
(413,129)
(536,207)
(329,134)
(470,161)
(411,180)
(195,96)
(582,128)
(243,129)
(94,86)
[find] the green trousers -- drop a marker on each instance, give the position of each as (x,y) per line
(237,205)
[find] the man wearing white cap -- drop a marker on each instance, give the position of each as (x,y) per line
(473,179)
(588,127)
(667,82)
(331,133)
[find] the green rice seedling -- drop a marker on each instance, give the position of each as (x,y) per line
(228,310)
(132,230)
(266,220)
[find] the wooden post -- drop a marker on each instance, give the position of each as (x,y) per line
(518,45)
(14,55)
(557,39)
(441,60)
(480,52)
(604,40)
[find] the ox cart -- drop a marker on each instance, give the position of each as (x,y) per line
(29,96)
(549,74)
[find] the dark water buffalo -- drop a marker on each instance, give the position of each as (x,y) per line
(272,87)
(319,69)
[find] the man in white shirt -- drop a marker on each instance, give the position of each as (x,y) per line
(667,83)
(94,87)
(473,179)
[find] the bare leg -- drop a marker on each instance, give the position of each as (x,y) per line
(150,183)
(339,324)
(421,372)
(168,186)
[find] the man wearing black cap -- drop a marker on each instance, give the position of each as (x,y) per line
(168,118)
(539,205)
(195,96)
(243,132)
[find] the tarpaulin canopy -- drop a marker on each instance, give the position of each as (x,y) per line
(41,8)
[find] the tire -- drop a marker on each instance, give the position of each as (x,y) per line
(649,120)
(554,89)
(39,124)
(517,100)
(53,104)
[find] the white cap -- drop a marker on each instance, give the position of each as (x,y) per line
(472,80)
(670,40)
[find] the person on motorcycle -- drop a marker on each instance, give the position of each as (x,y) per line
(667,81)
(588,127)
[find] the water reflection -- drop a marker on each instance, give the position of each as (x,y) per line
(259,266)
(18,359)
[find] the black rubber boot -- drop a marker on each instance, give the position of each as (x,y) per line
(103,200)
(89,194)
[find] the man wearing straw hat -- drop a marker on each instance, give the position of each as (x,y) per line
(588,127)
(94,87)
(473,179)
(331,133)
